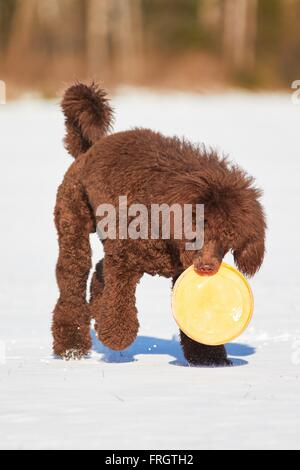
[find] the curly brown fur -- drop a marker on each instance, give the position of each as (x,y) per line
(88,116)
(74,222)
(116,325)
(148,168)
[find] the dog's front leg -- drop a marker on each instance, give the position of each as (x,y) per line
(115,311)
(198,354)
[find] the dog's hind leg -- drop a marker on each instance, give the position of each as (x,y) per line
(198,354)
(97,284)
(74,222)
(114,307)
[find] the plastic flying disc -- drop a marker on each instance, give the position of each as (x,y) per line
(212,310)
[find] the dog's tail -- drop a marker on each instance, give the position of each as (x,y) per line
(88,114)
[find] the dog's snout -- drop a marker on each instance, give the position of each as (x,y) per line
(206,269)
(209,259)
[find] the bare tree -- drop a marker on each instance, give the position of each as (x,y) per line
(33,20)
(240,24)
(114,33)
(97,34)
(129,37)
(21,30)
(210,13)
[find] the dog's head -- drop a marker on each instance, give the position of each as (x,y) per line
(234,222)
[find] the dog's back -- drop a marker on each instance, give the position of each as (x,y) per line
(142,164)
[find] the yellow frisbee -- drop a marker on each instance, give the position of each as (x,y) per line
(212,310)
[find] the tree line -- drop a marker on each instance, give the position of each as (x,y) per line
(254,42)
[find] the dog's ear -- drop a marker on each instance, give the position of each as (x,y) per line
(249,257)
(249,245)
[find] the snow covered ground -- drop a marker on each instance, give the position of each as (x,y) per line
(147,397)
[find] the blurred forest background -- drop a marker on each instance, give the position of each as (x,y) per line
(195,44)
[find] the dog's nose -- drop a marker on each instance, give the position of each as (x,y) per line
(206,269)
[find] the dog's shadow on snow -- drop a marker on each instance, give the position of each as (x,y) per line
(171,347)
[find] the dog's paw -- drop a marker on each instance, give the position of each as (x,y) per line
(210,363)
(71,354)
(71,331)
(70,344)
(201,355)
(115,333)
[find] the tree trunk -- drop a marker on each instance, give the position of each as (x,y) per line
(210,13)
(97,36)
(240,22)
(128,37)
(21,31)
(114,36)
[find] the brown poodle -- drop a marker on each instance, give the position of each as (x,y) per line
(148,168)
